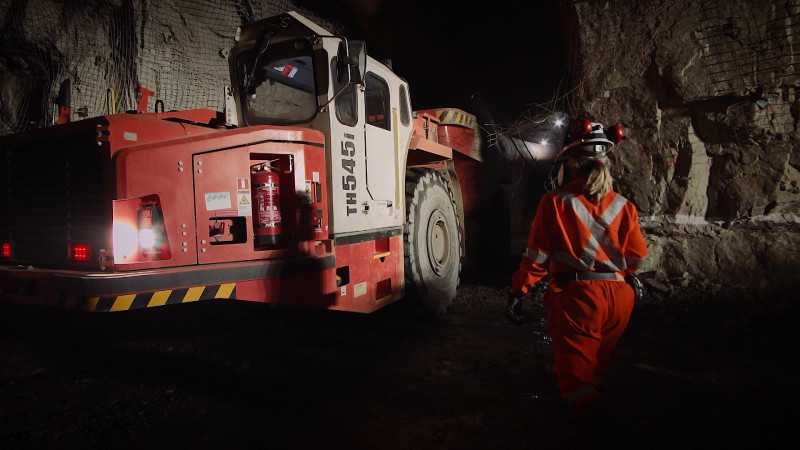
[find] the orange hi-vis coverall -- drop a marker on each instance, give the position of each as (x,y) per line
(586,317)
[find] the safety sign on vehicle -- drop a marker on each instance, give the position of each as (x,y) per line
(360,289)
(307,198)
(218,200)
(244,204)
(382,208)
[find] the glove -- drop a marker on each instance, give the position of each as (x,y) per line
(514,308)
(639,291)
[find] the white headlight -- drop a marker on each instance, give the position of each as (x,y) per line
(124,241)
(147,238)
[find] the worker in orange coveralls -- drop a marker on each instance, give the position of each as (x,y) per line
(587,237)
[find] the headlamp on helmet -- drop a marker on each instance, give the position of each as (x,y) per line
(587,138)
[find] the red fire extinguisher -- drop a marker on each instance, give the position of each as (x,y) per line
(266,199)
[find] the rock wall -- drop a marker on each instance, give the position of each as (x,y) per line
(709,94)
(177,48)
(763,257)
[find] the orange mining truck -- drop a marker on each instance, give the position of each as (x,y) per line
(317,186)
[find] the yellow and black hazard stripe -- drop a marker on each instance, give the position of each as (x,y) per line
(454,116)
(148,299)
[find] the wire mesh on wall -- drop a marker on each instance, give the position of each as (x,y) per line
(107,48)
(745,53)
(750,50)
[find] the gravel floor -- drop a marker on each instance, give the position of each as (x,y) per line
(238,375)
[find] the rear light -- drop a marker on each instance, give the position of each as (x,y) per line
(6,250)
(139,232)
(125,241)
(146,213)
(81,252)
(151,237)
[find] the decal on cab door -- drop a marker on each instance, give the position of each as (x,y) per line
(349,182)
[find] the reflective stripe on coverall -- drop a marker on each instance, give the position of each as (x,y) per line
(586,318)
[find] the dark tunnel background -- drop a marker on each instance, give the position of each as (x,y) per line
(709,96)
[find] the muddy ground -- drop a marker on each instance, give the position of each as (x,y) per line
(226,374)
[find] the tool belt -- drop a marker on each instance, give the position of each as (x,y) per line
(569,277)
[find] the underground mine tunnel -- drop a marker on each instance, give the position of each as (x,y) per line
(302,224)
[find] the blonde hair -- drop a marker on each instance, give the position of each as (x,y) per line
(599,181)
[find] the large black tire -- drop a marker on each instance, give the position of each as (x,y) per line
(432,241)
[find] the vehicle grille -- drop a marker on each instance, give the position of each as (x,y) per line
(51,193)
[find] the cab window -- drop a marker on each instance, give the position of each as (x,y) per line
(377,101)
(405,115)
(282,91)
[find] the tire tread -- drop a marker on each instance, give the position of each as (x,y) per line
(417,181)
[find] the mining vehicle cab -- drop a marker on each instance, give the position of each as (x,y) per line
(390,171)
(286,70)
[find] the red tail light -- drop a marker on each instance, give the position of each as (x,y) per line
(81,252)
(6,250)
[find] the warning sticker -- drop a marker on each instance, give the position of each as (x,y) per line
(218,200)
(360,289)
(225,213)
(382,208)
(307,199)
(243,203)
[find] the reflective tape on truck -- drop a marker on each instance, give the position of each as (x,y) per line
(148,299)
(450,116)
